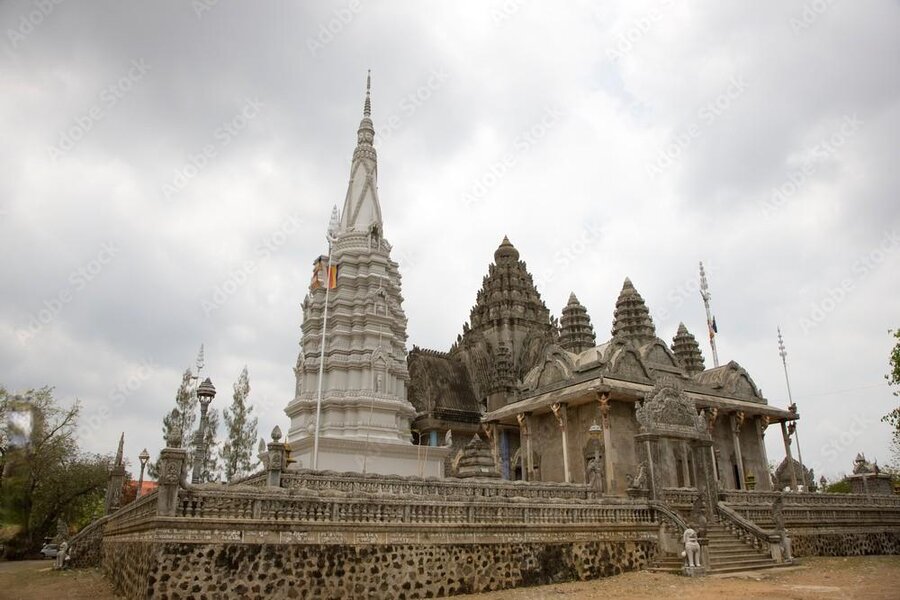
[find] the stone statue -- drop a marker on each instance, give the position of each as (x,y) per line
(778,518)
(639,481)
(448,438)
(595,475)
(691,547)
(62,556)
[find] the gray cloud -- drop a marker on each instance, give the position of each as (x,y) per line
(500,65)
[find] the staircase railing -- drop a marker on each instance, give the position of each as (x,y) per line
(671,528)
(750,532)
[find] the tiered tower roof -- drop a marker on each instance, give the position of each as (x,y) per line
(687,351)
(477,460)
(576,333)
(631,320)
(508,294)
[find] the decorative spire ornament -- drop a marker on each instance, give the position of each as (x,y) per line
(710,319)
(792,428)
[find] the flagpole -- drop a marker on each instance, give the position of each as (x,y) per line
(793,407)
(704,293)
(330,236)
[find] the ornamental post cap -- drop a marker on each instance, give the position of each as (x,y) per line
(276,434)
(206,389)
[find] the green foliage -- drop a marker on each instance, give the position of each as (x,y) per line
(186,403)
(893,378)
(240,425)
(839,487)
(45,477)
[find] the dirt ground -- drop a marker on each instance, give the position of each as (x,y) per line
(862,578)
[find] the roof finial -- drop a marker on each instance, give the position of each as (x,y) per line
(367,108)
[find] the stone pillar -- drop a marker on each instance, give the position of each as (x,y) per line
(524,446)
(172,466)
(276,459)
(737,419)
(704,475)
(761,423)
(711,415)
(561,414)
(504,453)
(787,452)
(608,449)
(647,445)
(685,465)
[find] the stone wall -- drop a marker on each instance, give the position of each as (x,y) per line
(845,543)
(191,570)
(85,546)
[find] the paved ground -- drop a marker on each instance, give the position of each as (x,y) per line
(862,578)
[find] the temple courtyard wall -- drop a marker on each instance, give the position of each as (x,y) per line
(328,535)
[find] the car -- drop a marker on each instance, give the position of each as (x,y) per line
(50,550)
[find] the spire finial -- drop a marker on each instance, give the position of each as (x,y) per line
(367,108)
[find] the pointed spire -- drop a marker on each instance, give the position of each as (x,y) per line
(631,319)
(576,332)
(687,351)
(367,107)
(362,210)
(120,453)
(335,223)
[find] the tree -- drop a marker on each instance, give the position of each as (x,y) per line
(240,425)
(893,417)
(186,403)
(211,471)
(45,477)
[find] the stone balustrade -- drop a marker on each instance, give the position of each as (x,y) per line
(737,497)
(355,483)
(303,506)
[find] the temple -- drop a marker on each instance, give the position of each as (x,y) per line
(535,386)
(364,420)
(525,454)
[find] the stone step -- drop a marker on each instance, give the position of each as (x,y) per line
(735,569)
(736,552)
(748,563)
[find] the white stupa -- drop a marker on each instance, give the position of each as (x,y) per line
(365,415)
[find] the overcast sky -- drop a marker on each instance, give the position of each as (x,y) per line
(167,171)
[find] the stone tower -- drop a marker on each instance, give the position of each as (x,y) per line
(631,320)
(576,334)
(509,328)
(365,414)
(687,351)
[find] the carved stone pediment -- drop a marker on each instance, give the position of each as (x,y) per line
(557,366)
(626,362)
(668,410)
(733,380)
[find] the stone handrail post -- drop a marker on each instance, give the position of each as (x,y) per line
(172,469)
(276,459)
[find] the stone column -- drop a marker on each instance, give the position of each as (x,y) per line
(711,415)
(524,446)
(561,414)
(787,452)
(761,423)
(276,459)
(172,466)
(685,465)
(528,450)
(737,419)
(608,449)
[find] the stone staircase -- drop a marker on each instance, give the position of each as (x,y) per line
(727,554)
